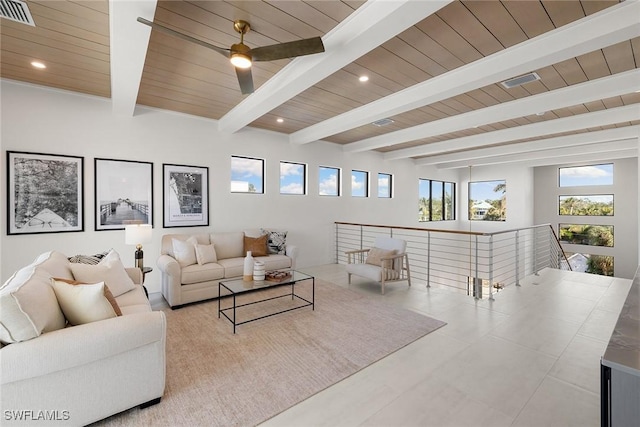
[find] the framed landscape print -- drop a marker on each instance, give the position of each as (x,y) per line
(44,193)
(185,195)
(124,193)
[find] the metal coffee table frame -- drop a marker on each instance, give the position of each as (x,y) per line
(238,287)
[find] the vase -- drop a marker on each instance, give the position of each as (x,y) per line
(258,271)
(247,272)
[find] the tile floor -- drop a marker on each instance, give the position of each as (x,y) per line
(529,358)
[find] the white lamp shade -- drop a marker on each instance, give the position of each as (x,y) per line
(135,234)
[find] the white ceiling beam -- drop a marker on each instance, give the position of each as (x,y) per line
(605,87)
(609,26)
(128,49)
(611,116)
(598,148)
(581,158)
(366,28)
(523,148)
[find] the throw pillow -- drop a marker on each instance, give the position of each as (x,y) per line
(89,259)
(206,254)
(257,245)
(110,271)
(375,254)
(28,306)
(107,293)
(277,241)
(185,251)
(83,303)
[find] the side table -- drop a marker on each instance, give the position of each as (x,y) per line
(145,270)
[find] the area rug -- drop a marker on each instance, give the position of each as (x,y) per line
(216,378)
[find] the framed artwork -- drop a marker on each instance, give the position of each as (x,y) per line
(124,193)
(185,195)
(44,193)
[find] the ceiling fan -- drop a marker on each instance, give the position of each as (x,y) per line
(241,55)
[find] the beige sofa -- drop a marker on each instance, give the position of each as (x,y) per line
(53,373)
(183,284)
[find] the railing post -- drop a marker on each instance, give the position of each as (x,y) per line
(517,257)
(476,280)
(337,234)
(428,257)
(535,252)
(491,267)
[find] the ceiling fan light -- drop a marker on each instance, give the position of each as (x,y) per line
(240,60)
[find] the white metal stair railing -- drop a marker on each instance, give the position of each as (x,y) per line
(477,264)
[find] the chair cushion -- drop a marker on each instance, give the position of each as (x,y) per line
(28,306)
(375,255)
(275,262)
(372,272)
(233,267)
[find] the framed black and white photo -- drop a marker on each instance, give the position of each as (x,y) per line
(44,193)
(185,195)
(124,193)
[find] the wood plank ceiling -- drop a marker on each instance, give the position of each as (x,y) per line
(72,38)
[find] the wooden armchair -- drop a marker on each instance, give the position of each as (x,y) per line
(386,262)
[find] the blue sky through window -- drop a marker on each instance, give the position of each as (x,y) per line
(587,175)
(384,185)
(329,181)
(246,175)
(292,178)
(483,190)
(359,183)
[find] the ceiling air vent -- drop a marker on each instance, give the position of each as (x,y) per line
(382,122)
(519,81)
(16,10)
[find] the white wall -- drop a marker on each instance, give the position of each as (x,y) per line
(42,120)
(624,220)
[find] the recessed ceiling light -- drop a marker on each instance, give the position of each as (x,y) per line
(37,64)
(541,113)
(363,78)
(279,120)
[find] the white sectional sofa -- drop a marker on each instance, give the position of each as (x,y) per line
(185,280)
(55,373)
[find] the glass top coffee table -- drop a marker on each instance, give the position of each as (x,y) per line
(237,287)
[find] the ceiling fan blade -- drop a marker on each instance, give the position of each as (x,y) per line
(174,33)
(287,50)
(245,79)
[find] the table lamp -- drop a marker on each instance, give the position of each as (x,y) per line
(137,234)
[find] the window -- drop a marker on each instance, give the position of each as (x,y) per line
(436,200)
(587,234)
(596,205)
(247,175)
(328,181)
(384,185)
(586,175)
(293,178)
(488,201)
(594,264)
(359,183)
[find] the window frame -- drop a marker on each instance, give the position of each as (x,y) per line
(366,183)
(442,198)
(389,194)
(262,178)
(338,181)
(304,178)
